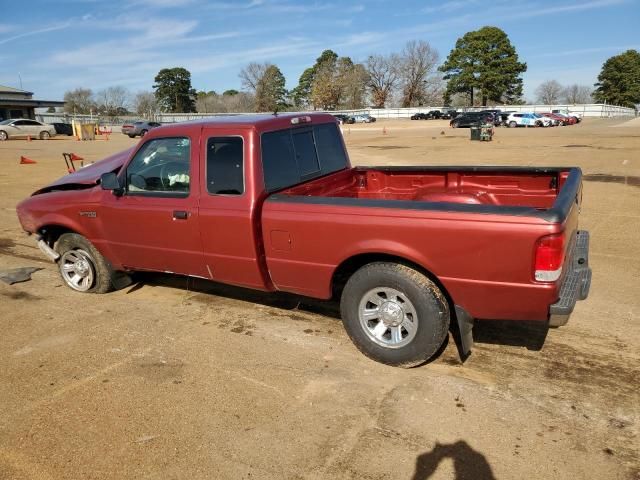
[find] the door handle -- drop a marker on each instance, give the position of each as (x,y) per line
(180,215)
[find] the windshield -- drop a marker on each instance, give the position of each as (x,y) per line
(6,122)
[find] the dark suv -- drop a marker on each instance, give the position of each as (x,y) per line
(469,119)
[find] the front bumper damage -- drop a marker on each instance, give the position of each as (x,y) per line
(576,283)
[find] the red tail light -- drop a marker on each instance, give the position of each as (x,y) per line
(549,258)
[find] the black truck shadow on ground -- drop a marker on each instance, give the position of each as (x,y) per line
(531,335)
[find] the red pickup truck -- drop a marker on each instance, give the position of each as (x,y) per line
(271,202)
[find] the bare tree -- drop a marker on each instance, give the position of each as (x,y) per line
(145,104)
(113,101)
(79,101)
(417,64)
(252,74)
(353,85)
(577,94)
(549,92)
(207,102)
(383,77)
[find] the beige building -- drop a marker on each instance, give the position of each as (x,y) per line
(16,103)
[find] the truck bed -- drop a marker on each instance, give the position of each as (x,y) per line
(494,186)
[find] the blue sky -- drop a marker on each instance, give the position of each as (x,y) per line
(60,45)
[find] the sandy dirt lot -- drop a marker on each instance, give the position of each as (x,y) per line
(174,378)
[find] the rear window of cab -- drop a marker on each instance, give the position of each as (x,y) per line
(295,155)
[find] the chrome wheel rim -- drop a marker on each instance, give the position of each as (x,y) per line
(45,135)
(388,317)
(77,270)
(3,135)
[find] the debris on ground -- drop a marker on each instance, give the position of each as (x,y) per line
(17,275)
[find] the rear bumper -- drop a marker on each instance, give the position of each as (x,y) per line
(576,283)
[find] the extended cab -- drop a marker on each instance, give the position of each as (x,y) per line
(271,202)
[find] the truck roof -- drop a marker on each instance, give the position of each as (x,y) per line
(262,122)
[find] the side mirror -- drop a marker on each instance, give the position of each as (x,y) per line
(109,181)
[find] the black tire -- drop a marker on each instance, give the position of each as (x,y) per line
(104,279)
(513,124)
(423,295)
(45,135)
(3,136)
(143,133)
(132,136)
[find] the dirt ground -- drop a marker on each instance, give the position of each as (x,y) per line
(174,378)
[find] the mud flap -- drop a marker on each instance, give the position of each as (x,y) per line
(464,342)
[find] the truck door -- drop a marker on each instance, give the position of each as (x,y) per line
(154,224)
(229,219)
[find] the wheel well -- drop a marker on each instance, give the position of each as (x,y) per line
(351,265)
(51,233)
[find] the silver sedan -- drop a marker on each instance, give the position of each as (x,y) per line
(23,128)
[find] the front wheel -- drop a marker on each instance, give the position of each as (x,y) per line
(82,267)
(394,314)
(143,133)
(3,136)
(45,135)
(513,124)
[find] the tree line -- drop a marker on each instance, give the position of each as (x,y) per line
(483,68)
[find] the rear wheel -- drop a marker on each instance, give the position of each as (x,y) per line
(132,136)
(45,135)
(82,267)
(394,314)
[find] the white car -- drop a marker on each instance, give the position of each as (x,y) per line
(528,120)
(23,128)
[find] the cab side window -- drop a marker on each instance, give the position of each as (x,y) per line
(161,167)
(225,166)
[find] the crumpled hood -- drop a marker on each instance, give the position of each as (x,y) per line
(90,175)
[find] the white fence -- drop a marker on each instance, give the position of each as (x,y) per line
(586,110)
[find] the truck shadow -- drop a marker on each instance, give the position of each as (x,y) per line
(531,335)
(285,301)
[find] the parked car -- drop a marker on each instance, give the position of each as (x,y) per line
(469,119)
(364,118)
(25,127)
(434,115)
(63,128)
(344,118)
(140,128)
(495,113)
(504,116)
(448,114)
(568,119)
(419,116)
(566,113)
(525,119)
(272,203)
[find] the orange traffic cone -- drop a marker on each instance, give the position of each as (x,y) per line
(384,130)
(26,161)
(28,138)
(75,157)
